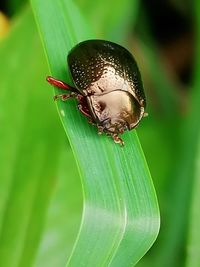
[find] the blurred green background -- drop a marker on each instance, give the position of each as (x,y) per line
(40,190)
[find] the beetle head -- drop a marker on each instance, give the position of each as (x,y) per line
(116,111)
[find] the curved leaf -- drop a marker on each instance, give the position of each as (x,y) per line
(120,218)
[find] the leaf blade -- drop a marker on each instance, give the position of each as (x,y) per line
(107,187)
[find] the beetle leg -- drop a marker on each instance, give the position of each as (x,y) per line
(82,106)
(121,130)
(84,111)
(117,139)
(90,121)
(60,84)
(100,129)
(145,114)
(64,97)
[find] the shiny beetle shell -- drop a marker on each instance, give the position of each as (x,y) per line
(108,76)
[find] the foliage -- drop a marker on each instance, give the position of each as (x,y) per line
(79,197)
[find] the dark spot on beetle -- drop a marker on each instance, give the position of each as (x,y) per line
(102,106)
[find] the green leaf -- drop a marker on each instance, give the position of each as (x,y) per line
(30,141)
(120,219)
(120,216)
(193,255)
(64,214)
(37,229)
(193,251)
(183,196)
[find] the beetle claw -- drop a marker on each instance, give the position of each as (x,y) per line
(63,97)
(90,121)
(100,129)
(118,140)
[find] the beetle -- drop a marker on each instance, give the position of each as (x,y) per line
(108,86)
